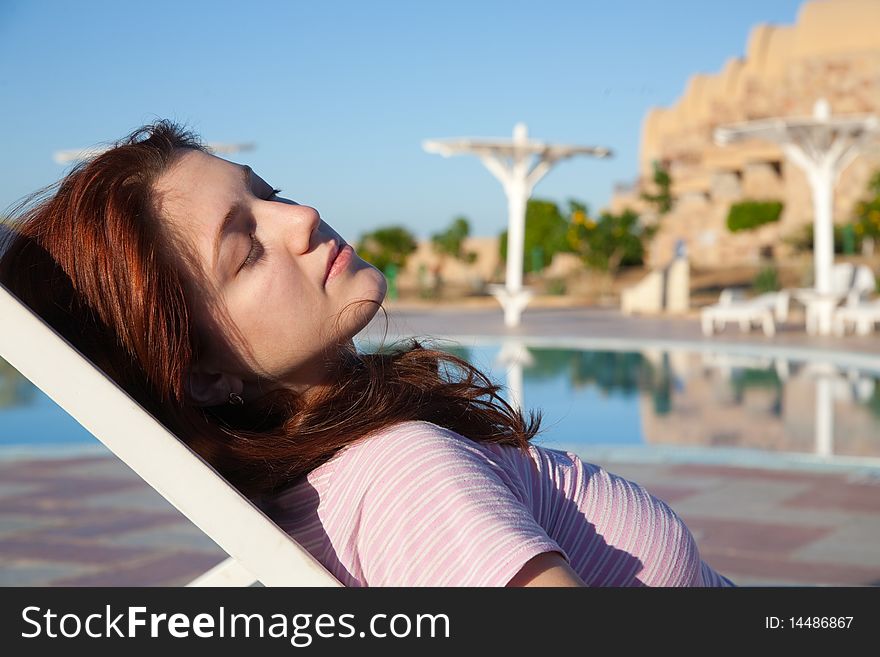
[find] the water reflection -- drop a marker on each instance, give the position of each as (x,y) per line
(702,399)
(611,372)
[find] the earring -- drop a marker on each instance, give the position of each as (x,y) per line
(235,399)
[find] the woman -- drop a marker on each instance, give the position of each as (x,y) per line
(229,313)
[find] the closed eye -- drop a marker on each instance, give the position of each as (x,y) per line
(254,254)
(257,251)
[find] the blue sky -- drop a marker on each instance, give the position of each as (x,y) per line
(338,96)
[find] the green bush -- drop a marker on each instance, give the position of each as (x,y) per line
(610,242)
(556,287)
(767,280)
(386,246)
(544,235)
(748,215)
(867,212)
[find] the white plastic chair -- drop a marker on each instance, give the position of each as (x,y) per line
(862,317)
(259,550)
(848,282)
(766,309)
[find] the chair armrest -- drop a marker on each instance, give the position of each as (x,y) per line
(855,297)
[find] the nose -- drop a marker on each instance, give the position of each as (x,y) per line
(296,224)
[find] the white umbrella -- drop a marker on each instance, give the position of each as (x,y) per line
(823,146)
(509,161)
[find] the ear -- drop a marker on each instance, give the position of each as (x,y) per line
(211,389)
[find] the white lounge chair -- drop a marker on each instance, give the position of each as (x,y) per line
(862,315)
(859,309)
(259,550)
(766,309)
(847,282)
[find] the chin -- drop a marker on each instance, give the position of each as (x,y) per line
(373,285)
(370,288)
(381,287)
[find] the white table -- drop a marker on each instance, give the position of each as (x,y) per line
(819,308)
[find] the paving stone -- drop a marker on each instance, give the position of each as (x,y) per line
(746,500)
(106,468)
(739,473)
(180,536)
(84,552)
(843,495)
(44,468)
(114,524)
(16,489)
(670,494)
(37,574)
(11,524)
(654,475)
(171,569)
(780,515)
(83,487)
(757,538)
(810,573)
(32,504)
(855,543)
(136,499)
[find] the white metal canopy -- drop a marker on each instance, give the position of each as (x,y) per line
(510,160)
(823,146)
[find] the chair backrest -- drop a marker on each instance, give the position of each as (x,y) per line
(162,460)
(842,277)
(780,309)
(864,281)
(863,284)
(731,294)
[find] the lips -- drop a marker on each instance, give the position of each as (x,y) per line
(334,251)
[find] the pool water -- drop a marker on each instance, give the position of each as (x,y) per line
(630,399)
(684,399)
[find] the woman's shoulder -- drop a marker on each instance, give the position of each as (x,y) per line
(421,437)
(411,437)
(425,444)
(414,448)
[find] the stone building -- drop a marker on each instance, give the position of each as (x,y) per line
(832,51)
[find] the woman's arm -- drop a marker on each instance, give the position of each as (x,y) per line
(546,569)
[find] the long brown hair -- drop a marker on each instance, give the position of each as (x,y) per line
(94,260)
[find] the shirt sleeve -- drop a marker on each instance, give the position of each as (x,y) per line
(710,577)
(437,513)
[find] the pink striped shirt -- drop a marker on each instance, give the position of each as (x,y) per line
(420,505)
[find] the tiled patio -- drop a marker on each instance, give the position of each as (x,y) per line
(578,323)
(90,521)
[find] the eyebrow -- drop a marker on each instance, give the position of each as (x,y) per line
(230,215)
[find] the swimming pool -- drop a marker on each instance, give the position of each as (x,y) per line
(640,404)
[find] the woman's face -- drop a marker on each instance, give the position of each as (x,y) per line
(268,259)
